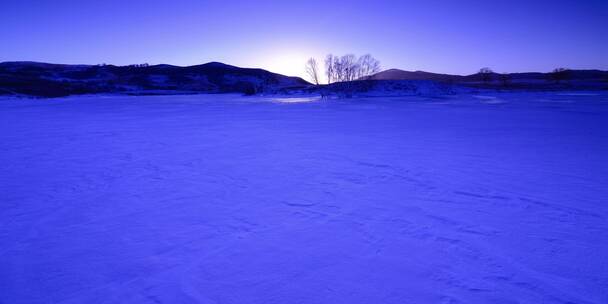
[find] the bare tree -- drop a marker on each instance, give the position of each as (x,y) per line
(505,78)
(329,68)
(338,70)
(350,68)
(368,66)
(559,74)
(312,69)
(486,74)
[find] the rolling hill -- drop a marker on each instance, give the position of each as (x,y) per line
(575,75)
(53,80)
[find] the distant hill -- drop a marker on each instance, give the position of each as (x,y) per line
(52,80)
(396,74)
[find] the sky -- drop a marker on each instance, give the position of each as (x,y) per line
(457,37)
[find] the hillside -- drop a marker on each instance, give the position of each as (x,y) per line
(52,80)
(569,80)
(397,74)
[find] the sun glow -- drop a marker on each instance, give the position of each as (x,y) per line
(287,64)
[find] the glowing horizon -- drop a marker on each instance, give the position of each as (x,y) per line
(454,38)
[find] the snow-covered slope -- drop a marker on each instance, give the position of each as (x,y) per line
(499,198)
(52,80)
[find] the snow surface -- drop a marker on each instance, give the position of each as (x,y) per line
(499,198)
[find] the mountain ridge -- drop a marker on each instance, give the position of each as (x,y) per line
(40,79)
(55,80)
(399,74)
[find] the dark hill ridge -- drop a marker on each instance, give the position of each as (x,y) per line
(566,80)
(396,74)
(51,80)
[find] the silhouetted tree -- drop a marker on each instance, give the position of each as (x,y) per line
(368,66)
(338,69)
(350,68)
(559,74)
(143,65)
(312,69)
(505,79)
(329,68)
(485,74)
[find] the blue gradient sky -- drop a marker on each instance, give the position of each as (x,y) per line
(439,36)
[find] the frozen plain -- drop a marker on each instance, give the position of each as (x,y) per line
(501,198)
